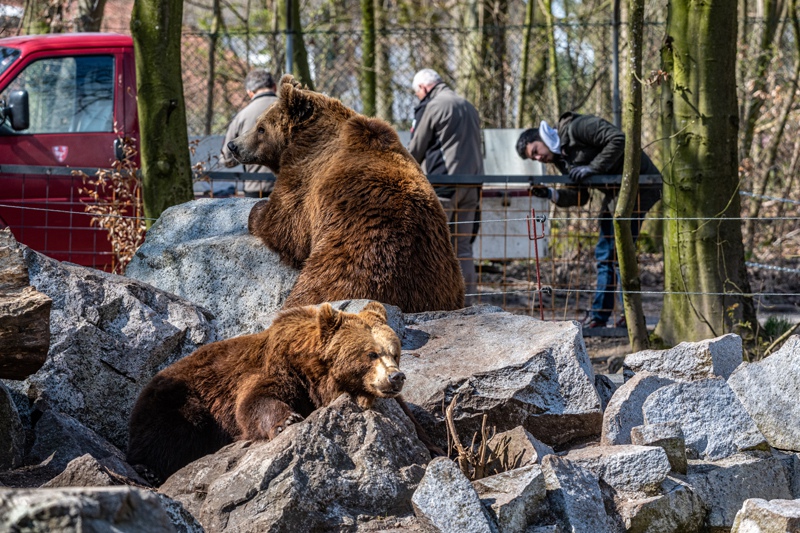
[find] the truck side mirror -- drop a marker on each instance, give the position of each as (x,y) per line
(17,109)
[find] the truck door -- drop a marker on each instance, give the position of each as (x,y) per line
(73,105)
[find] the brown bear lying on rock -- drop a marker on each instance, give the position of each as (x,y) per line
(254,386)
(351,208)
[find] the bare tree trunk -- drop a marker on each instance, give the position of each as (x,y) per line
(90,15)
(769,163)
(754,100)
(42,16)
(213,37)
(552,59)
(368,87)
(166,169)
(524,82)
(494,64)
(708,292)
(384,91)
(470,67)
(629,188)
(299,54)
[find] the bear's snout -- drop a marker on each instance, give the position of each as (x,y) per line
(233,148)
(397,379)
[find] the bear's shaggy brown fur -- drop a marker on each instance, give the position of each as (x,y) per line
(254,386)
(351,208)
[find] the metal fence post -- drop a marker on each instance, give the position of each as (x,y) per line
(289,37)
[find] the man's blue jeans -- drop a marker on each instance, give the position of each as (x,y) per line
(606,255)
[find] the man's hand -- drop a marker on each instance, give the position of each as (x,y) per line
(578,174)
(540,191)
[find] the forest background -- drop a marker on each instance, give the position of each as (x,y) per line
(518,62)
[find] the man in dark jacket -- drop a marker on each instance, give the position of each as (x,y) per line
(583,146)
(260,87)
(446,136)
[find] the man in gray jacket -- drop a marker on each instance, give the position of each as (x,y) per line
(260,88)
(446,135)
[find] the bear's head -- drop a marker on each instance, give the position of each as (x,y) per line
(285,122)
(361,353)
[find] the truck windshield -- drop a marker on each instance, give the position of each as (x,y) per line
(7,56)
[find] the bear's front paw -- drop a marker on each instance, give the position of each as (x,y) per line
(292,418)
(256,217)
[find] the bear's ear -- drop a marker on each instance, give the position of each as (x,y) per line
(289,79)
(374,313)
(329,321)
(298,103)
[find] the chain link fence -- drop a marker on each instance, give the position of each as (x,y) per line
(488,73)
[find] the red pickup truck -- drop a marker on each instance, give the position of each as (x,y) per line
(63,98)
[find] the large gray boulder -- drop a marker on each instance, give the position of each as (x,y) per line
(109,336)
(666,435)
(714,422)
(447,502)
(574,496)
(86,471)
(202,251)
(677,509)
(24,314)
(761,516)
(624,411)
(513,498)
(59,439)
(340,464)
(516,448)
(122,509)
(12,433)
(769,391)
(690,361)
(627,469)
(518,370)
(725,485)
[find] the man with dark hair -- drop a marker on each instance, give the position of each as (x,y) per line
(583,146)
(260,89)
(446,136)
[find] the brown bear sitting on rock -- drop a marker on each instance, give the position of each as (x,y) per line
(254,386)
(351,208)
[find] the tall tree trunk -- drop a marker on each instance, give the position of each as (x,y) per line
(166,169)
(552,59)
(41,16)
(629,188)
(493,88)
(754,100)
(469,74)
(704,272)
(368,87)
(524,81)
(213,38)
(384,92)
(301,71)
(90,15)
(769,161)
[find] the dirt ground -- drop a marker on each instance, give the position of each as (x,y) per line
(510,285)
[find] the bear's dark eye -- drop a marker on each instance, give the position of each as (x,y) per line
(260,131)
(373,355)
